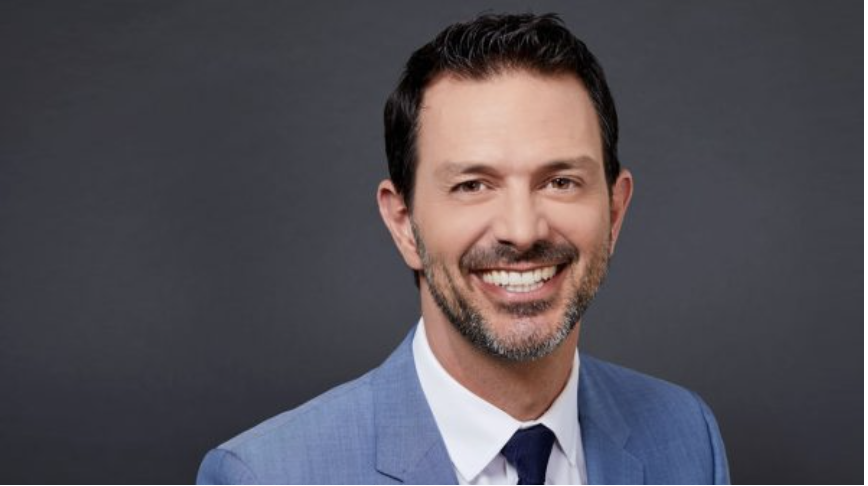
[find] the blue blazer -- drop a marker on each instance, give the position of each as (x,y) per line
(378,429)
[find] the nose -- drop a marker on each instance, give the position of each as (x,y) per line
(520,223)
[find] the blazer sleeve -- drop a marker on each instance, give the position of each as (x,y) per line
(720,474)
(221,466)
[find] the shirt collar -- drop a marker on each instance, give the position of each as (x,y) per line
(474,431)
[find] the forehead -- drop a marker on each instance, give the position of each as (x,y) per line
(514,119)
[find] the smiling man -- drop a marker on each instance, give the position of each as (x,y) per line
(506,198)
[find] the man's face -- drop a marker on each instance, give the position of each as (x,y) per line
(511,214)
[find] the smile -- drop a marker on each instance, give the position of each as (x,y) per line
(519,282)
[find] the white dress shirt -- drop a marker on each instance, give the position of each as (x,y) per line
(475,431)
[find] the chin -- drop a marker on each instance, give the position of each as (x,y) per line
(526,338)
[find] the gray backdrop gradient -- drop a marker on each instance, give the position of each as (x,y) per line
(189,240)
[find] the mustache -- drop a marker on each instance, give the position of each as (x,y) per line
(542,252)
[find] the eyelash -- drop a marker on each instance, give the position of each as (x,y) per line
(465,186)
(574,183)
(478,184)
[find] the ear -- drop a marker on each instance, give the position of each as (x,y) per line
(396,215)
(622,191)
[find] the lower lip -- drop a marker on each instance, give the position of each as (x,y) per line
(548,288)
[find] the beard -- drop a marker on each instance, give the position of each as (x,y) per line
(522,340)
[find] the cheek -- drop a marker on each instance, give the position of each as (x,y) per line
(449,233)
(583,226)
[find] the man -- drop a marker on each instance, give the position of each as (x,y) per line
(506,198)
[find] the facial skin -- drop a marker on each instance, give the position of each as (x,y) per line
(510,179)
(522,341)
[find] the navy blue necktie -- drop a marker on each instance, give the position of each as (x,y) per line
(528,451)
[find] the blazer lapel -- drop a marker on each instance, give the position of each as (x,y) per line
(409,446)
(604,434)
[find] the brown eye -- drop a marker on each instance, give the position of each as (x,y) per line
(469,186)
(562,183)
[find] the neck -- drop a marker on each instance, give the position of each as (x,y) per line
(524,390)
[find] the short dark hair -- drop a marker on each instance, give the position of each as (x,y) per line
(478,49)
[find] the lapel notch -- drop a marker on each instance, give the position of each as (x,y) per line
(604,433)
(409,446)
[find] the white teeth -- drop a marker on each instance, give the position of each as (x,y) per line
(520,281)
(524,288)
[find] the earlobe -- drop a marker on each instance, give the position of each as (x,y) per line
(622,192)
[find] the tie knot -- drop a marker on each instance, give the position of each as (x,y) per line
(528,451)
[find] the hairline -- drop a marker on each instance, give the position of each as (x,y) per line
(496,69)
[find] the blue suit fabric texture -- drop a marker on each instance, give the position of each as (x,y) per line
(379,429)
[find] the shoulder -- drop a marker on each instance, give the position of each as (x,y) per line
(670,427)
(631,388)
(328,440)
(300,444)
(345,405)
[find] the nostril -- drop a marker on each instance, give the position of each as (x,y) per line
(521,228)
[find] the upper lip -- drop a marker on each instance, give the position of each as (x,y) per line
(518,268)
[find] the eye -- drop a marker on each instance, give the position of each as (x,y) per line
(563,183)
(469,186)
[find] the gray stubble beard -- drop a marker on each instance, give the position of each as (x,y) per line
(527,342)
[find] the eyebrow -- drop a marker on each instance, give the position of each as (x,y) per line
(451,169)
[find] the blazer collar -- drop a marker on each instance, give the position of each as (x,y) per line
(409,446)
(410,449)
(604,433)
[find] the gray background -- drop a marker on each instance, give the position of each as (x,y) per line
(189,240)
